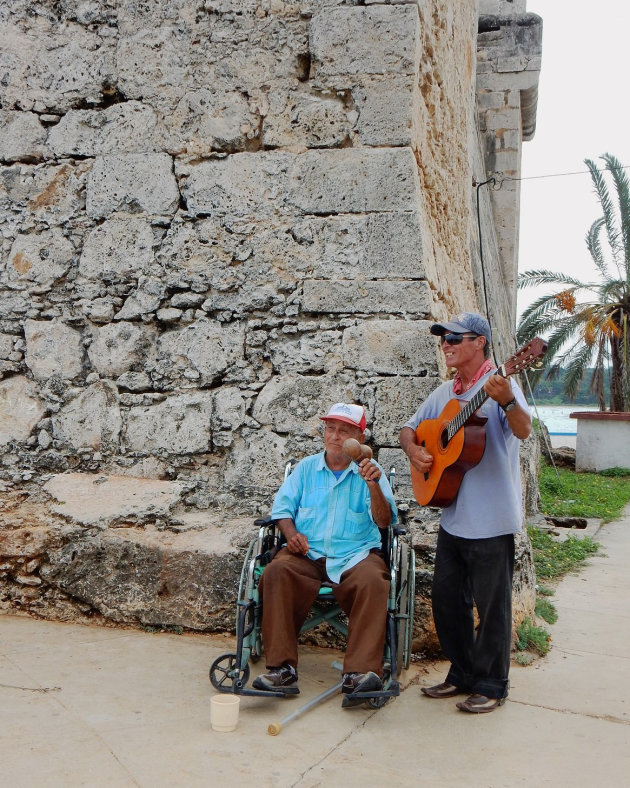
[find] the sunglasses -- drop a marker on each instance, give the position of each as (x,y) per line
(456,339)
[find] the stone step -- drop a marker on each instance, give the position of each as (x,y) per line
(121,549)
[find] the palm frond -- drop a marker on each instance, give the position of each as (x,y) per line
(576,370)
(553,371)
(612,292)
(537,318)
(605,200)
(565,335)
(594,246)
(622,186)
(589,320)
(549,319)
(546,277)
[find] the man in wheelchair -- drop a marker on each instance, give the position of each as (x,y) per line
(329,511)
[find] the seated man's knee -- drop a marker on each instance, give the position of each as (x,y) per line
(273,570)
(374,577)
(283,565)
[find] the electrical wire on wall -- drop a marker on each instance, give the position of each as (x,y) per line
(483,266)
(497,181)
(493,181)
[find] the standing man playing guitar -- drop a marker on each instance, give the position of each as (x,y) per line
(475,548)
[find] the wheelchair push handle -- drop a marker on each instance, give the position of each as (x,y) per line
(357,451)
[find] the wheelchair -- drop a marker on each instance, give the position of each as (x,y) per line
(230,672)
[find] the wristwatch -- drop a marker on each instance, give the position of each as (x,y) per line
(509,405)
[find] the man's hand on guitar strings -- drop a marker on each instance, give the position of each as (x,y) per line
(420,458)
(499,389)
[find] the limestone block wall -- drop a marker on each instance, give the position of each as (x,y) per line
(508,68)
(216,219)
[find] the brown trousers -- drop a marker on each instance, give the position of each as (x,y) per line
(290,584)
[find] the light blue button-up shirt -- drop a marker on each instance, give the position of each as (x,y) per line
(334,514)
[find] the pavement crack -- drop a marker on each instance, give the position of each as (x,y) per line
(326,755)
(30,689)
(605,717)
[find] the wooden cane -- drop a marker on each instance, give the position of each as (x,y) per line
(275,727)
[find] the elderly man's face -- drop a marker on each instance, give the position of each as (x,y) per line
(336,432)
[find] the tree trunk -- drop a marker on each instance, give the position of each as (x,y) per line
(616,375)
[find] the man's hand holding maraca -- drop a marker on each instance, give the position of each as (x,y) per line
(362,455)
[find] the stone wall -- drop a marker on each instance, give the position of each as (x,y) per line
(217,217)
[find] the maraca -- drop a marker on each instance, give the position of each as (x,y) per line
(357,451)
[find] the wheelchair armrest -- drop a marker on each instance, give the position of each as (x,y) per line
(268,556)
(396,530)
(270,539)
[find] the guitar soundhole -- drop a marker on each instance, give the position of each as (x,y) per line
(444,439)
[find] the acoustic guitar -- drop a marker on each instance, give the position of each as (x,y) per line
(457,438)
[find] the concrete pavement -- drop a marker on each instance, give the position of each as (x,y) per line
(88,706)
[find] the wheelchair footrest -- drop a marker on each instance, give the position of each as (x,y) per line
(261,693)
(392,692)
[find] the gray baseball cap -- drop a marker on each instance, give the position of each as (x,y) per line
(464,323)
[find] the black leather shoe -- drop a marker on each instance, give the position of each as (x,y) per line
(282,679)
(443,690)
(358,682)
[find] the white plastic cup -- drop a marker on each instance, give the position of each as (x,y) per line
(224,712)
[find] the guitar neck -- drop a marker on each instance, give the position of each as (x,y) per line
(471,407)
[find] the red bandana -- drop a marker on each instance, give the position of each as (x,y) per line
(458,386)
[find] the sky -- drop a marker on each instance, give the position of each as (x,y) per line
(583,112)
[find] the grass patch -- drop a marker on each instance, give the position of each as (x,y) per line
(583,494)
(616,472)
(532,638)
(546,610)
(553,559)
(566,494)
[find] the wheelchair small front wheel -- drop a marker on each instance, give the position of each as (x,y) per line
(225,672)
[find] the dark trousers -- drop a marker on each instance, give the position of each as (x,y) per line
(475,571)
(289,587)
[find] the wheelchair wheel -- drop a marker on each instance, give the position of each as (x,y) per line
(245,581)
(246,589)
(225,673)
(404,607)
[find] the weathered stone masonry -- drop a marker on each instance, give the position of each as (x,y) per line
(217,218)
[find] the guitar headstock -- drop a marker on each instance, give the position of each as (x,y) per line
(526,357)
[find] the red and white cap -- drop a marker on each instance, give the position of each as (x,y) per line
(351,414)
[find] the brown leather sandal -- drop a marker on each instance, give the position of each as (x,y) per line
(443,690)
(480,704)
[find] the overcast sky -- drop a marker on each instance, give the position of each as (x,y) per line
(583,111)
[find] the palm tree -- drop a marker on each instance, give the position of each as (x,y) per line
(587,322)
